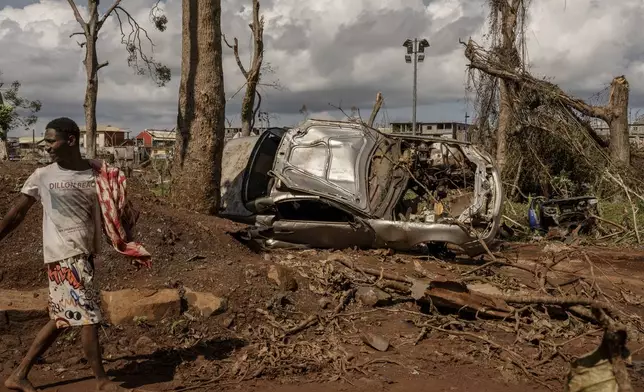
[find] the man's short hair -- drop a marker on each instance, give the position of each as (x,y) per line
(64,125)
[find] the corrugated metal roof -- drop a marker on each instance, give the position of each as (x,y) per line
(105,128)
(30,139)
(168,135)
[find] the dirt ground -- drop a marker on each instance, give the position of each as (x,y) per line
(244,349)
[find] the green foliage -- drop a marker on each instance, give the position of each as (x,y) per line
(133,37)
(15,111)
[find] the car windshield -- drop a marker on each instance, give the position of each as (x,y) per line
(258,180)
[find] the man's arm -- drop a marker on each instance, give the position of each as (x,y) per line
(16,215)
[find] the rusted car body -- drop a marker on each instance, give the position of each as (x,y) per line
(332,184)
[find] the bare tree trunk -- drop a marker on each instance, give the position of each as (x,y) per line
(4,153)
(90,31)
(509,53)
(201,120)
(620,149)
(91,96)
(376,109)
(252,75)
(504,125)
(248,107)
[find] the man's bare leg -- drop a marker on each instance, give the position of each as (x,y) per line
(46,337)
(92,349)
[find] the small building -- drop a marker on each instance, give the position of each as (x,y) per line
(106,136)
(158,143)
(452,130)
(30,142)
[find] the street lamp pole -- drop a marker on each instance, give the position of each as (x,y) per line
(417,48)
(413,113)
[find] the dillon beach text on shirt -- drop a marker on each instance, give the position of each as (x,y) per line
(72,185)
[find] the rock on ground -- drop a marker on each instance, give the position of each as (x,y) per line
(373,296)
(119,307)
(19,306)
(123,306)
(206,303)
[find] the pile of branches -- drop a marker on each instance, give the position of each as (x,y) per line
(543,323)
(552,150)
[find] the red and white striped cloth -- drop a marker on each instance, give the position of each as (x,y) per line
(118,214)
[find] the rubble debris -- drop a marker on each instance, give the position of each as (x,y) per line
(373,296)
(375,341)
(570,214)
(439,292)
(283,276)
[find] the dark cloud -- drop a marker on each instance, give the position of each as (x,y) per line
(292,38)
(16,3)
(341,54)
(446,40)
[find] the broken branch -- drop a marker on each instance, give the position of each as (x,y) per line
(109,11)
(78,16)
(496,69)
(376,109)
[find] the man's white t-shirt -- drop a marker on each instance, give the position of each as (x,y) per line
(71,213)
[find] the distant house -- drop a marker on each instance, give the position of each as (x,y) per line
(30,142)
(106,136)
(157,142)
(452,130)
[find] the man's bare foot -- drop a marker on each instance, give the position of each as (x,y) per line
(19,384)
(109,386)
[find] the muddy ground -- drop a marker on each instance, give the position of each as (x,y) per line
(245,347)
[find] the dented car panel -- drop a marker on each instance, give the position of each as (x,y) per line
(332,184)
(327,159)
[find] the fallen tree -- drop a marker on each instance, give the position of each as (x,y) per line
(614,113)
(542,136)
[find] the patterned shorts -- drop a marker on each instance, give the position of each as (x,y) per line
(74,299)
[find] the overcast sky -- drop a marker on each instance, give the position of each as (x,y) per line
(323,52)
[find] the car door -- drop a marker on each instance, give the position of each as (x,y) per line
(319,223)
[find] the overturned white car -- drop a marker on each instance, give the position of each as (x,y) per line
(332,184)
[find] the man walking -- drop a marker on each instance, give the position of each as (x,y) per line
(71,237)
